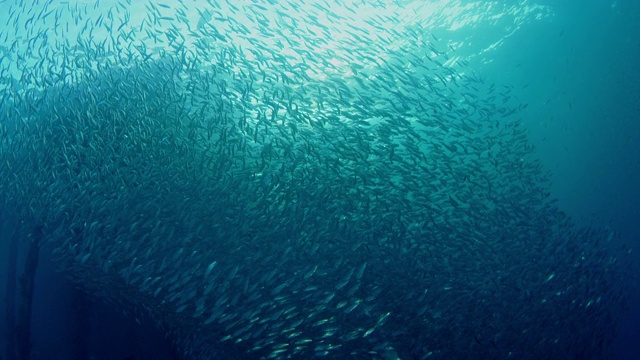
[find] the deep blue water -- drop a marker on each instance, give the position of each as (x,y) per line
(584,91)
(577,72)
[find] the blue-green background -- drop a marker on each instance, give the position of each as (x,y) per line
(579,72)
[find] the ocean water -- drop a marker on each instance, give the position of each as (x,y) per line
(322,179)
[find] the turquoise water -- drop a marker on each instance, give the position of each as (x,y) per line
(414,180)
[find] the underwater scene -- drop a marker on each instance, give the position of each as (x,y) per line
(319,179)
